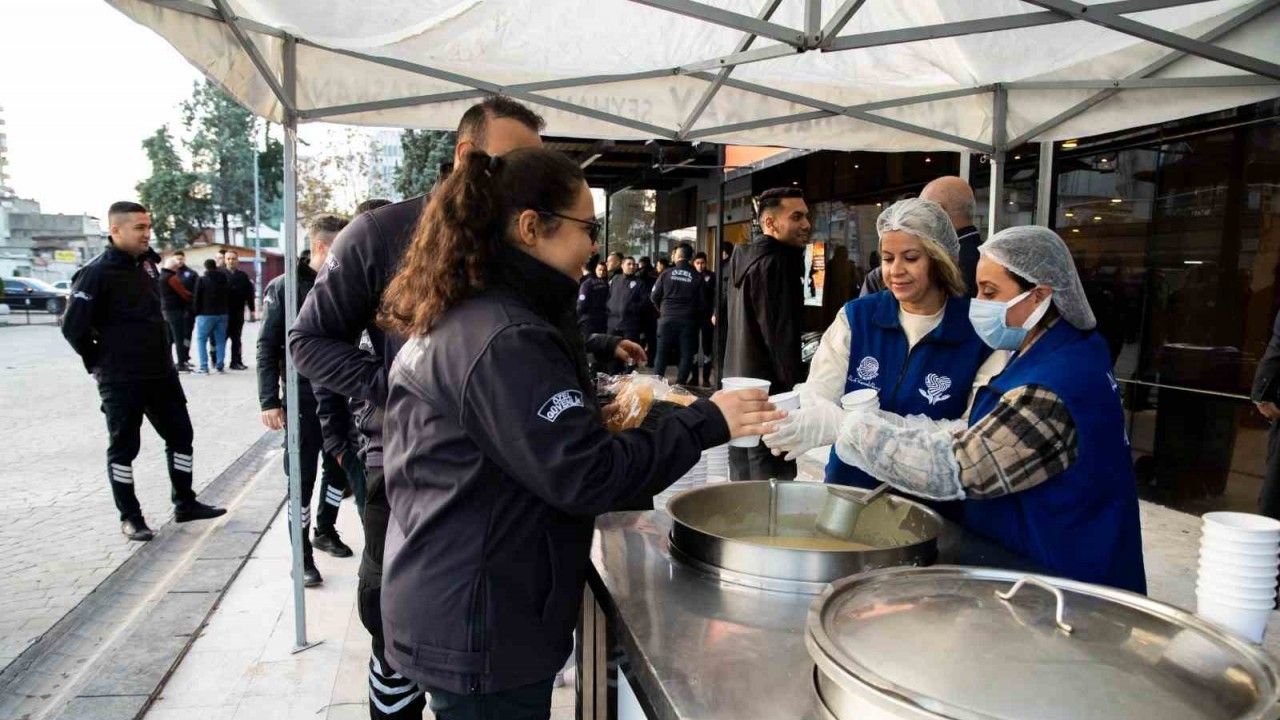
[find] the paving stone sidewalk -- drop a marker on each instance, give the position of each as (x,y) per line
(59,532)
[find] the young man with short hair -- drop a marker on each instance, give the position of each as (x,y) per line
(766,315)
(114,322)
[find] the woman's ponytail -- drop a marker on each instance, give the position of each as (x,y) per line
(463,227)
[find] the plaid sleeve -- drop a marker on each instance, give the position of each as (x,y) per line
(1027,439)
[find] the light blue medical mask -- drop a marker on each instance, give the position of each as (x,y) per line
(988,320)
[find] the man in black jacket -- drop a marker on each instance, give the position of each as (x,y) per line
(210,307)
(343,304)
(593,301)
(1266,395)
(956,198)
(271,368)
(239,298)
(706,330)
(678,297)
(175,303)
(114,322)
(628,302)
(766,315)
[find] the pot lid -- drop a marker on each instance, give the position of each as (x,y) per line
(941,642)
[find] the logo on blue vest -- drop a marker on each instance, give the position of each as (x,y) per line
(935,388)
(868,369)
(560,402)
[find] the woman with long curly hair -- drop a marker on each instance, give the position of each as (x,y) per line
(497,459)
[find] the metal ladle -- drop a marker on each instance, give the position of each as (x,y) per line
(840,511)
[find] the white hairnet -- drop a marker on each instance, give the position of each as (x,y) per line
(1039,255)
(923,218)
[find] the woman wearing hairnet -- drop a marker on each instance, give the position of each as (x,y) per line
(911,343)
(1043,463)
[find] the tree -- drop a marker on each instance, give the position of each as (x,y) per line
(315,192)
(172,194)
(271,183)
(221,147)
(631,216)
(425,152)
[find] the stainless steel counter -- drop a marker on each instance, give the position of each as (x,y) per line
(696,647)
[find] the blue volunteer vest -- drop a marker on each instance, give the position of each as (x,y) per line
(933,379)
(1083,523)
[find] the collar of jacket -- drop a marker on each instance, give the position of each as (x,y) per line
(968,233)
(955,325)
(116,255)
(548,291)
(305,272)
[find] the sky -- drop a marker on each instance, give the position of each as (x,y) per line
(81,86)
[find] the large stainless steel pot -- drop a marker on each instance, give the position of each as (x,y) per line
(709,524)
(967,643)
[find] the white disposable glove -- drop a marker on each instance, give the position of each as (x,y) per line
(815,424)
(913,454)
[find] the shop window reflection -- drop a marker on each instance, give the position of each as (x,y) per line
(1177,246)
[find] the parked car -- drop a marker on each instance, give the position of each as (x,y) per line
(63,285)
(30,293)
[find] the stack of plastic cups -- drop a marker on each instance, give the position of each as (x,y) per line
(717,462)
(1239,560)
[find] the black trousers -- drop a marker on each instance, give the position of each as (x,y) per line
(162,402)
(315,461)
(758,463)
(527,702)
(391,695)
(175,321)
(235,325)
(1269,503)
(677,339)
(707,334)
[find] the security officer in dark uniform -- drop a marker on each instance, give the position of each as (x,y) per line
(113,321)
(628,303)
(271,369)
(678,297)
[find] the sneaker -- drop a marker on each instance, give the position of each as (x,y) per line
(239,366)
(311,576)
(136,529)
(200,371)
(196,510)
(328,541)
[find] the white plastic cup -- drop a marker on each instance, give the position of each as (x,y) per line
(1240,618)
(1246,527)
(786,401)
(745,383)
(1235,594)
(1212,557)
(1222,577)
(864,399)
(1249,550)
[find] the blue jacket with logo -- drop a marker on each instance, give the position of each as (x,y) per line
(1083,523)
(932,379)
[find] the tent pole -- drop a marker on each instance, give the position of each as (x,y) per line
(1044,184)
(995,200)
(717,331)
(608,197)
(291,402)
(965,158)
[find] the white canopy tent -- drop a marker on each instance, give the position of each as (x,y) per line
(889,75)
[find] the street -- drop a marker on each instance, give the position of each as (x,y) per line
(59,530)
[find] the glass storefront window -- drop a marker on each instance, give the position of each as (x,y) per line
(1177,244)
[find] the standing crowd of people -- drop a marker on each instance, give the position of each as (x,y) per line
(446,380)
